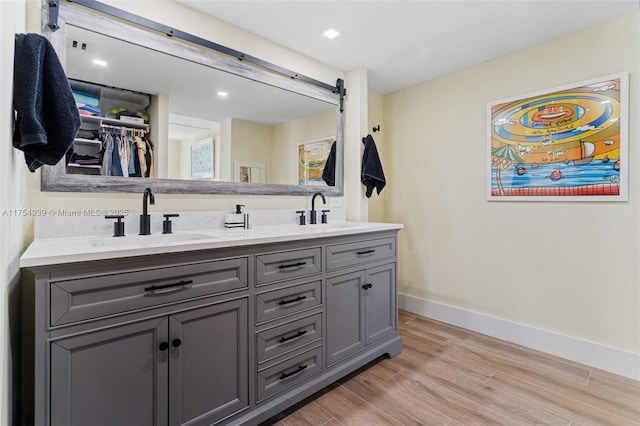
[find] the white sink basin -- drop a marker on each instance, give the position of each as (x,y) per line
(345,225)
(147,240)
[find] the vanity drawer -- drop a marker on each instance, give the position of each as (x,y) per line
(286,265)
(343,255)
(289,300)
(288,337)
(281,376)
(96,296)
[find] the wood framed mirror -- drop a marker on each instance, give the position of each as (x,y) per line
(267,118)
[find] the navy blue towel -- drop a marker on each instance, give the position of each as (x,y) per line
(329,171)
(47,118)
(372,174)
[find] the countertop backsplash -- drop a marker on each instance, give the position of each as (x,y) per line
(72,223)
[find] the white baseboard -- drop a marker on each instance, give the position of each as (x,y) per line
(614,360)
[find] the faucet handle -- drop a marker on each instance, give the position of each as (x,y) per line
(323,219)
(302,219)
(166,224)
(118,227)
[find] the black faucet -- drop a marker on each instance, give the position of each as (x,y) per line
(145,219)
(312,214)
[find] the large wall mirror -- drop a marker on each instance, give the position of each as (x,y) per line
(216,125)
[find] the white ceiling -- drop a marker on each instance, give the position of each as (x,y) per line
(403,43)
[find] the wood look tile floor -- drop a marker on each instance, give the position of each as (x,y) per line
(447,375)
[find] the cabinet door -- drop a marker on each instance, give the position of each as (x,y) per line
(116,376)
(380,302)
(345,315)
(209,363)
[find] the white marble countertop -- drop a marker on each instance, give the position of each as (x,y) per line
(53,251)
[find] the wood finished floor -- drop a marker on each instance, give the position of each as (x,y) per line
(447,375)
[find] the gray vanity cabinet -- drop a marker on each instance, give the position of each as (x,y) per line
(361,300)
(208,359)
(289,311)
(111,376)
(143,342)
(221,336)
(186,368)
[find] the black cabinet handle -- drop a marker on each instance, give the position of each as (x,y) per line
(365,252)
(176,286)
(367,286)
(297,299)
(176,343)
(285,375)
(295,336)
(164,346)
(292,265)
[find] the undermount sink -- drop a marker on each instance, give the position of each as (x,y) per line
(345,225)
(145,240)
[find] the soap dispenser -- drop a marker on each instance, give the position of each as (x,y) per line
(237,219)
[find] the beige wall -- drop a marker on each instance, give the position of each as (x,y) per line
(252,142)
(288,136)
(568,267)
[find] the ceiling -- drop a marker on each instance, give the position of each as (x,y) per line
(403,43)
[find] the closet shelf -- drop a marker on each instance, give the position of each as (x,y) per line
(83,141)
(84,166)
(113,122)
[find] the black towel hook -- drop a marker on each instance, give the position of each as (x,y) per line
(376,129)
(53,15)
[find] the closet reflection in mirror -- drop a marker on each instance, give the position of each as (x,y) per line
(178,104)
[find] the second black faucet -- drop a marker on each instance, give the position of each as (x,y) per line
(312,214)
(145,219)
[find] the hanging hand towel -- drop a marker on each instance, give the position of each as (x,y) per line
(47,118)
(329,171)
(372,175)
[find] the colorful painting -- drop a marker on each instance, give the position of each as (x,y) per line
(568,143)
(312,156)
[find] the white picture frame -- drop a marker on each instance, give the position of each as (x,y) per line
(248,171)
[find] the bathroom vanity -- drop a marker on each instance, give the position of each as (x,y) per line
(216,327)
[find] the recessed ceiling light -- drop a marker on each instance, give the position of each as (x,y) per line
(222,94)
(331,33)
(100,62)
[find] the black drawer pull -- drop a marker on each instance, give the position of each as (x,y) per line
(295,336)
(166,286)
(367,286)
(297,299)
(360,253)
(292,265)
(163,346)
(285,375)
